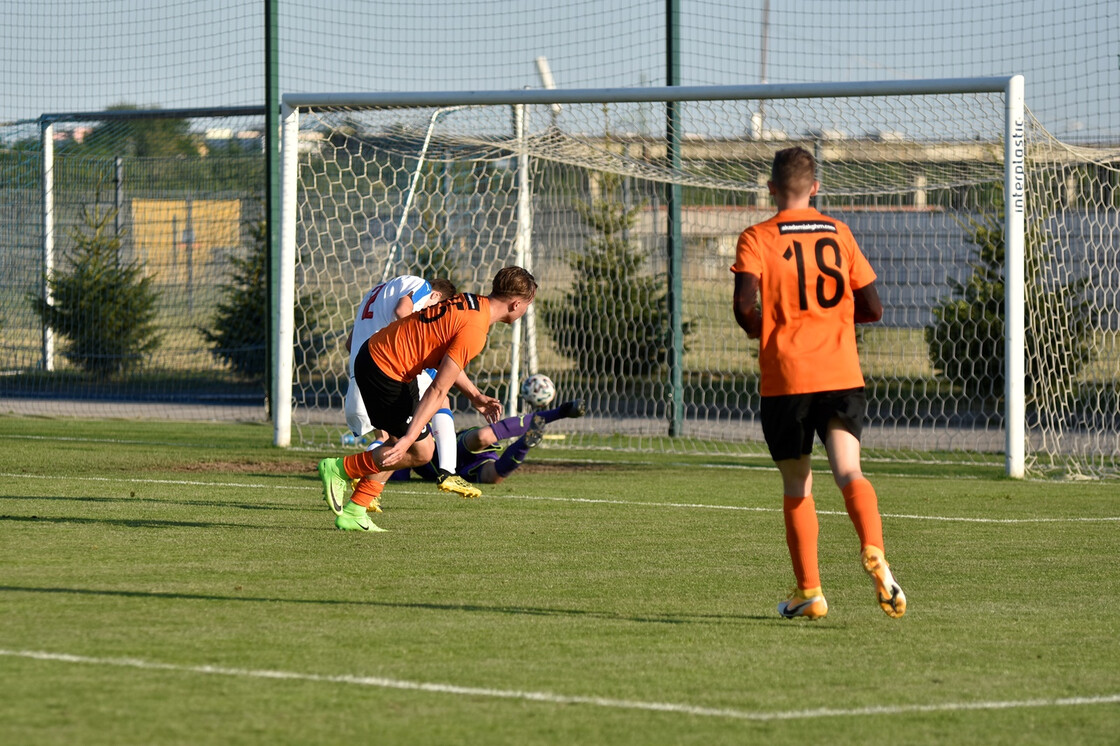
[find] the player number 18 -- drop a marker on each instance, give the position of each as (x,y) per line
(826,253)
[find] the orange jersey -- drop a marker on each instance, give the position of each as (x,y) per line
(456,327)
(808,265)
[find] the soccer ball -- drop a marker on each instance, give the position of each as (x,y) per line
(538,390)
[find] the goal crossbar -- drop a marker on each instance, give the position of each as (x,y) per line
(548,96)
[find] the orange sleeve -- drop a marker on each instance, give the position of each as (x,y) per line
(747,256)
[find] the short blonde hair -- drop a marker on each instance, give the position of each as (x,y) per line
(514,282)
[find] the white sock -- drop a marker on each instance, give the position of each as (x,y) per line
(443,430)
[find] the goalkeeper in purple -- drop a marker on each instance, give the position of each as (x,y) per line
(481,460)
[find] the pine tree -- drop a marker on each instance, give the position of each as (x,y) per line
(966,340)
(615,319)
(104,307)
(238,332)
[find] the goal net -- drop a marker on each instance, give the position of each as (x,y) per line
(994,246)
(123,234)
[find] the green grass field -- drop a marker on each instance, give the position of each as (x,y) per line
(166,583)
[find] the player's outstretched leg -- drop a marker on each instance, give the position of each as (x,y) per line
(890,596)
(449,482)
(573,408)
(535,434)
(336,485)
(354,518)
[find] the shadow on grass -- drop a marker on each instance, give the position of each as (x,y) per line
(126,522)
(472,608)
(269,506)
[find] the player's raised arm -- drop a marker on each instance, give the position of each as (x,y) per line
(487,406)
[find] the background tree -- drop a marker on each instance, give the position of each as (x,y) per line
(103,306)
(966,340)
(238,333)
(153,137)
(615,319)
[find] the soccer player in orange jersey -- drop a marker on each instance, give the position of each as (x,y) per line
(446,337)
(380,306)
(814,285)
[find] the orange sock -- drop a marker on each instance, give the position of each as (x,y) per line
(802,530)
(359,465)
(368,490)
(863,508)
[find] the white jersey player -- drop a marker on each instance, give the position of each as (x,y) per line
(387,302)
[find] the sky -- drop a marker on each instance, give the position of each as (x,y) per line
(65,56)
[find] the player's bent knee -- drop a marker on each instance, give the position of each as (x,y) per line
(481,439)
(844,478)
(421,452)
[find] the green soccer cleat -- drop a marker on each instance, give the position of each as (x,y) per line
(449,482)
(336,485)
(354,518)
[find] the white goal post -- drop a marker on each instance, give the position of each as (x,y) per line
(627,147)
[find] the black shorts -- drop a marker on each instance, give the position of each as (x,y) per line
(788,422)
(389,403)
